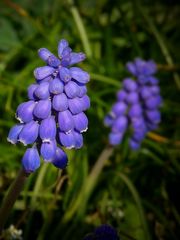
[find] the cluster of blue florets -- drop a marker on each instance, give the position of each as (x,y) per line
(54,113)
(137,106)
(104,232)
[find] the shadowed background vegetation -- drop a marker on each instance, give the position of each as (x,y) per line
(136,192)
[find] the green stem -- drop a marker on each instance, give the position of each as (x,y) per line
(81,28)
(88,185)
(11,197)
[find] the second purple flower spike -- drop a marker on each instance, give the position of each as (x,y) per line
(137,106)
(54,114)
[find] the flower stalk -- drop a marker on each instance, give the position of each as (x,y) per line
(11,197)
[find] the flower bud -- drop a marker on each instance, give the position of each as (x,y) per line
(42,91)
(48,150)
(24,111)
(61,46)
(14,133)
(130,85)
(145,92)
(115,138)
(65,74)
(53,61)
(31,160)
(132,98)
(108,120)
(79,75)
(78,139)
(60,159)
(67,139)
(60,102)
(85,102)
(42,109)
(120,124)
(44,54)
(134,145)
(153,102)
(31,90)
(71,89)
(77,57)
(56,86)
(66,57)
(131,68)
(121,95)
(75,105)
(80,122)
(135,111)
(47,129)
(29,133)
(153,80)
(153,116)
(82,90)
(43,72)
(65,120)
(119,108)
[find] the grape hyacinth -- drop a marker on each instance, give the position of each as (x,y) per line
(103,232)
(137,106)
(54,113)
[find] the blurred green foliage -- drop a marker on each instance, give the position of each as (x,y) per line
(136,192)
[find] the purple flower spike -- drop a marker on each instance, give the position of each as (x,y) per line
(60,159)
(48,150)
(14,133)
(65,74)
(42,91)
(67,139)
(44,54)
(130,85)
(47,129)
(78,140)
(31,160)
(65,120)
(119,108)
(43,72)
(53,61)
(42,109)
(155,90)
(29,133)
(61,46)
(56,101)
(115,138)
(120,124)
(80,122)
(24,112)
(79,75)
(77,57)
(31,90)
(60,102)
(71,89)
(56,86)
